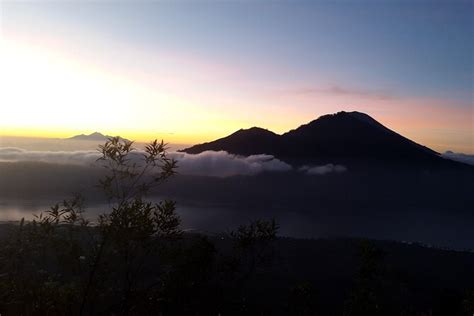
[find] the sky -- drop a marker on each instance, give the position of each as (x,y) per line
(194,71)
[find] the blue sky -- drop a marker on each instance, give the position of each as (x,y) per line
(412,51)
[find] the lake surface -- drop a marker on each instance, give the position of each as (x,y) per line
(439,229)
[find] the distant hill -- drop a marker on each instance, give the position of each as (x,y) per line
(342,137)
(96,136)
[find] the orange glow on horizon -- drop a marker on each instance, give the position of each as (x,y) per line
(49,94)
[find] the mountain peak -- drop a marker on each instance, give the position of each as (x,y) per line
(346,115)
(254,131)
(353,115)
(333,138)
(95,136)
(243,142)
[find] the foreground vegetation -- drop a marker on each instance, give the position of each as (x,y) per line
(136,260)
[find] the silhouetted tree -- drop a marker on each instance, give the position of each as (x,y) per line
(366,298)
(59,263)
(302,300)
(468,302)
(134,259)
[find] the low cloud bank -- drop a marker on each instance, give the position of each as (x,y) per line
(325,169)
(223,164)
(460,157)
(210,163)
(13,154)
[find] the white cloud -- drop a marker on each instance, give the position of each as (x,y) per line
(465,158)
(210,163)
(324,169)
(60,157)
(223,164)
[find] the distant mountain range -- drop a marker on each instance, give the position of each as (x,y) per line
(334,138)
(96,136)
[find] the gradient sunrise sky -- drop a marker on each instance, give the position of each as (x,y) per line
(193,71)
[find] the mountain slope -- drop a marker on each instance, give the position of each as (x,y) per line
(349,136)
(341,137)
(243,142)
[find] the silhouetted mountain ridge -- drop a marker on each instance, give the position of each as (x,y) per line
(96,136)
(334,138)
(243,142)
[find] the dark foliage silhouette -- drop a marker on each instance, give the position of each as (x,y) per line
(131,260)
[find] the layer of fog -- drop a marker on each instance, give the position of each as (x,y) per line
(209,163)
(216,191)
(324,169)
